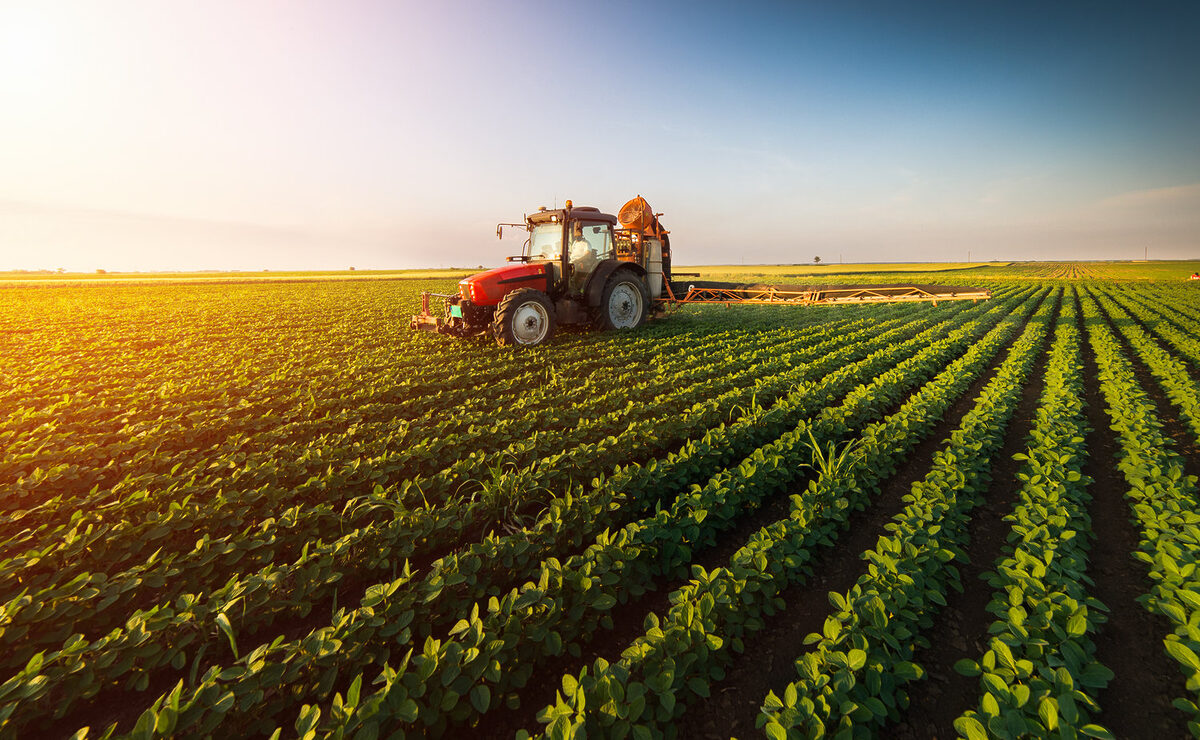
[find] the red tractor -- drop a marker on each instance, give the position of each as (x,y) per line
(578,267)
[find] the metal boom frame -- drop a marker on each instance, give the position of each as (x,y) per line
(773,296)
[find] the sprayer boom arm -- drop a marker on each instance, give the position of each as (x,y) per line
(789,295)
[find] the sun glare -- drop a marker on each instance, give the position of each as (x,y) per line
(31,51)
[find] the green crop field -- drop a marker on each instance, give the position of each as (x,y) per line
(239,507)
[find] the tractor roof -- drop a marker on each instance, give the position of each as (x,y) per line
(586,213)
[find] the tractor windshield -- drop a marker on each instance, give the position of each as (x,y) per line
(545,243)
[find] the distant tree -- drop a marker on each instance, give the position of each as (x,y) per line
(351,268)
(101,271)
(816,260)
(480,267)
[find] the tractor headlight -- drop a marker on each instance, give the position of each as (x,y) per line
(472,291)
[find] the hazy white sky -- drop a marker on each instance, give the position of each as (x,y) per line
(248,135)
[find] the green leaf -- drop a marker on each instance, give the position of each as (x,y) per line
(569,684)
(481,698)
(971,728)
(989,705)
(967,667)
(833,628)
(1096,731)
(772,702)
(1096,675)
(1190,598)
(1048,713)
(368,731)
(223,623)
(165,721)
(408,711)
(790,696)
(310,714)
(775,731)
(560,728)
(1182,654)
(856,659)
(1004,655)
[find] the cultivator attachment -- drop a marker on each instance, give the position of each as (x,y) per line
(425,321)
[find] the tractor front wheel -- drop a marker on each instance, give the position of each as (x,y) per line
(525,317)
(624,303)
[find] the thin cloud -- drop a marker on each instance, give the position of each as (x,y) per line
(1185,198)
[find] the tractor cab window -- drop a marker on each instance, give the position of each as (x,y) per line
(545,243)
(601,240)
(594,238)
(588,244)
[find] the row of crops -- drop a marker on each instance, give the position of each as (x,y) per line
(256,509)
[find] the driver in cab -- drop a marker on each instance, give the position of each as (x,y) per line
(583,257)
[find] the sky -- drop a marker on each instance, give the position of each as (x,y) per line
(223,134)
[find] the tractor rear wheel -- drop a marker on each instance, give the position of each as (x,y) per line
(525,318)
(624,303)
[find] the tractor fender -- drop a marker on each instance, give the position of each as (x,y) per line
(594,290)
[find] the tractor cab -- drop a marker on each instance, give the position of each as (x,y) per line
(570,243)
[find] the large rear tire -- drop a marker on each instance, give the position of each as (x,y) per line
(524,318)
(625,302)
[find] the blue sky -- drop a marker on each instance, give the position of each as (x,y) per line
(221,134)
